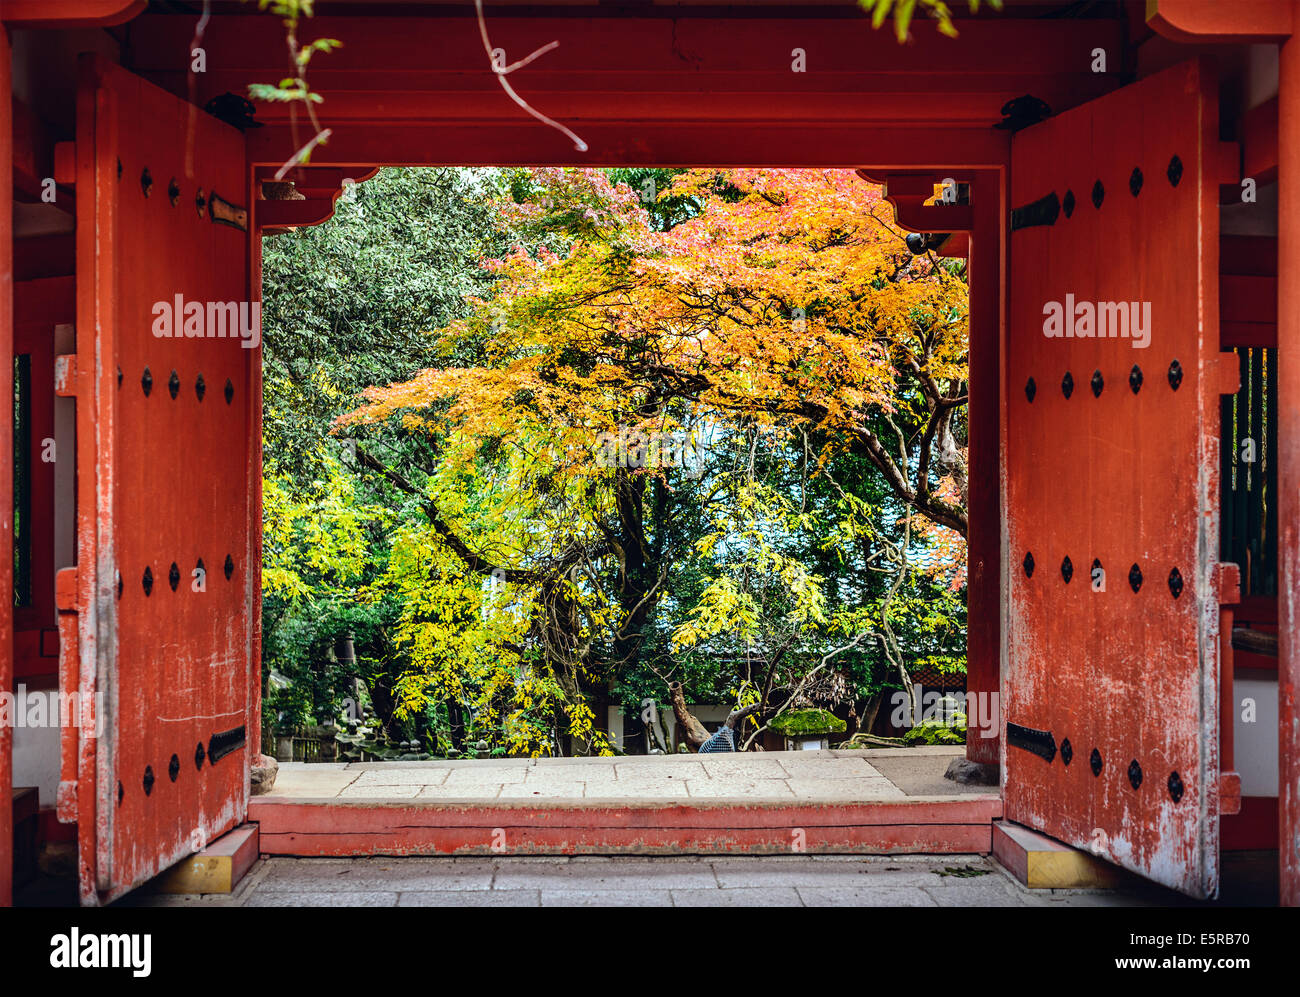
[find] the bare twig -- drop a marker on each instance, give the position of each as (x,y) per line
(502,71)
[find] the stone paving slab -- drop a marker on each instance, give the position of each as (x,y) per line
(750,789)
(356,792)
(830,776)
(351,899)
(471,898)
(607,898)
(546,790)
(402,777)
(617,875)
(689,881)
(865,896)
(376,875)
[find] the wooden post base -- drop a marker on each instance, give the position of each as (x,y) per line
(1043,863)
(216,869)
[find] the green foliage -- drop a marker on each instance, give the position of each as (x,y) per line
(499,584)
(903,11)
(346,305)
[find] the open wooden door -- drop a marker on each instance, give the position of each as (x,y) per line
(1111,681)
(155,620)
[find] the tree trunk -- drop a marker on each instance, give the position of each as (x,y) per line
(694,731)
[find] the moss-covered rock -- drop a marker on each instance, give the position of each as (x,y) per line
(807,723)
(937,732)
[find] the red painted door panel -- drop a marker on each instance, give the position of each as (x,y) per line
(1111,682)
(159,607)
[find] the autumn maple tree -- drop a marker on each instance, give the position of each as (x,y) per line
(771,321)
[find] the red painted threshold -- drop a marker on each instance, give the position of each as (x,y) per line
(923,825)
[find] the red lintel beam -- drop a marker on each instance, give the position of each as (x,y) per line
(917,217)
(524,142)
(70,13)
(1209,21)
(293,214)
(711,48)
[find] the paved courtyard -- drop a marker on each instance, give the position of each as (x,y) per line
(780,881)
(774,776)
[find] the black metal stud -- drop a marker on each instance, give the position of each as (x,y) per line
(1175,171)
(1031,389)
(200,388)
(121,792)
(1028,564)
(174,768)
(146,181)
(174,192)
(1175,583)
(148,779)
(230,391)
(1098,382)
(1067,384)
(119,584)
(174,385)
(148,581)
(1175,786)
(1135,182)
(1067,751)
(1094,762)
(146,381)
(1135,774)
(1175,375)
(174,576)
(1098,195)
(1067,205)
(200,202)
(119,168)
(229,567)
(1135,379)
(199,756)
(119,377)
(1135,578)
(1067,569)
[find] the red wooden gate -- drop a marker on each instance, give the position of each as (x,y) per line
(1112,676)
(155,618)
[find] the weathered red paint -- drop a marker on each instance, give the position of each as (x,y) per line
(1288,473)
(987,280)
(1205,21)
(652,89)
(6,460)
(69,13)
(322,828)
(162,481)
(1124,478)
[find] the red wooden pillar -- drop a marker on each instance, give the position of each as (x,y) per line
(253,725)
(1288,471)
(987,278)
(6,463)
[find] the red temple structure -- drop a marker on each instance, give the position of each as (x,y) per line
(1143,165)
